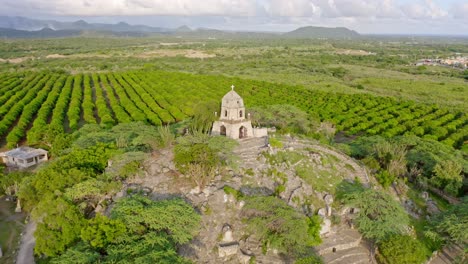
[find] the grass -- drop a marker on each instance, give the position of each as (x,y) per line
(419,227)
(320,180)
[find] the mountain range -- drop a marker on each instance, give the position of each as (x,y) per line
(22,27)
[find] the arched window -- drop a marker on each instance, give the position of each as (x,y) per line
(225,113)
(240,113)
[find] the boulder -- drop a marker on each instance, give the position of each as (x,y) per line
(195,190)
(228,249)
(432,208)
(329,210)
(325,227)
(256,191)
(425,196)
(243,258)
(322,212)
(328,199)
(227,233)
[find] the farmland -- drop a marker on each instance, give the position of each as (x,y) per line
(37,104)
(130,116)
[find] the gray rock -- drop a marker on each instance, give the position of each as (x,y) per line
(256,191)
(228,249)
(322,212)
(195,190)
(325,227)
(243,258)
(328,199)
(329,210)
(227,233)
(432,208)
(425,196)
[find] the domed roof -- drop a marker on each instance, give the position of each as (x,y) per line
(232,100)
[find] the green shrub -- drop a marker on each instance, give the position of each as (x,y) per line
(231,191)
(402,249)
(280,226)
(385,178)
(275,143)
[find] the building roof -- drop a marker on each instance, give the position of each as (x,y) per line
(232,100)
(24,153)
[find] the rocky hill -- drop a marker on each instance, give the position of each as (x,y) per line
(224,237)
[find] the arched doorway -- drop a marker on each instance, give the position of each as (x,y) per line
(222,130)
(242,132)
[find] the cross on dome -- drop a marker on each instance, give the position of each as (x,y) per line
(232,87)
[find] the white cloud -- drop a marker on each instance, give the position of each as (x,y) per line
(460,11)
(276,14)
(424,10)
(137,7)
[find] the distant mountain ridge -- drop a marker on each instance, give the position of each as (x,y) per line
(27,24)
(43,33)
(21,27)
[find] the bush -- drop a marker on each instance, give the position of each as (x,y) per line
(385,178)
(402,249)
(280,226)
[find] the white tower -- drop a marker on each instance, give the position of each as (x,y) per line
(232,119)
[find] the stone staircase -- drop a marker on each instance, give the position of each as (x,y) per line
(344,246)
(249,149)
(448,255)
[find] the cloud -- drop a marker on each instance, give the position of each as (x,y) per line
(460,11)
(275,14)
(424,10)
(136,7)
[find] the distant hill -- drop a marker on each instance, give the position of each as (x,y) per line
(43,33)
(321,32)
(21,27)
(183,29)
(22,23)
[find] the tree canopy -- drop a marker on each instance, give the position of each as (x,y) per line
(402,249)
(280,226)
(379,216)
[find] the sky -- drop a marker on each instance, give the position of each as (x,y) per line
(433,17)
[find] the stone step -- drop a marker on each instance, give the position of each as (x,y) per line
(348,256)
(447,255)
(341,240)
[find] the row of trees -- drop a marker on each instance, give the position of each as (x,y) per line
(117,108)
(74,108)
(103,111)
(28,112)
(125,101)
(58,114)
(37,131)
(151,98)
(13,108)
(88,104)
(141,100)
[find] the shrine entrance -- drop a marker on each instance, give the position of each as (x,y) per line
(242,132)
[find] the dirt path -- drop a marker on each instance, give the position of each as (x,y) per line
(26,250)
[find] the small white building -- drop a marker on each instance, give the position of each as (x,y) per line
(233,121)
(24,157)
